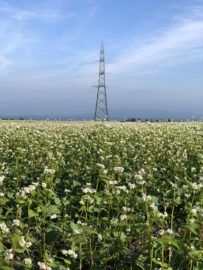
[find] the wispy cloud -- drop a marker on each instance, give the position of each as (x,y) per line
(28,14)
(179,43)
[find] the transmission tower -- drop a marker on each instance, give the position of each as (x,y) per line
(101,110)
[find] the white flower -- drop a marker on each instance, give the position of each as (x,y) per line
(9,255)
(118,169)
(194,211)
(153,206)
(2,179)
(170,231)
(4,228)
(123,217)
(23,243)
(126,209)
(43,266)
(123,188)
(192,220)
(27,261)
(2,194)
(101,166)
(54,216)
(70,252)
(76,231)
(44,185)
(47,170)
(196,186)
(131,186)
(16,222)
(192,247)
(64,252)
(112,183)
(161,232)
(165,214)
(146,197)
(88,190)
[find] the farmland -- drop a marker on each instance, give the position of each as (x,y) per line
(101,195)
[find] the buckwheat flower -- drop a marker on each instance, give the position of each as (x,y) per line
(146,197)
(2,194)
(43,266)
(36,184)
(28,244)
(169,231)
(67,191)
(27,261)
(196,186)
(44,185)
(54,216)
(9,255)
(70,252)
(153,206)
(16,222)
(23,243)
(76,231)
(192,220)
(194,211)
(101,166)
(4,228)
(112,183)
(88,190)
(161,232)
(123,217)
(47,170)
(165,214)
(192,247)
(142,182)
(131,186)
(2,179)
(126,209)
(123,188)
(118,169)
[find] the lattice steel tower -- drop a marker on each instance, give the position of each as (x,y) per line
(101,110)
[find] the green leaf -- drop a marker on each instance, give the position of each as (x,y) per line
(52,209)
(31,213)
(160,263)
(193,227)
(52,236)
(57,201)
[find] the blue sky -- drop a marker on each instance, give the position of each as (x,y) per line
(49,51)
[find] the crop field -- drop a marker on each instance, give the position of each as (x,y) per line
(103,196)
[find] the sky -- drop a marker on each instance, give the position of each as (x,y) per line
(49,55)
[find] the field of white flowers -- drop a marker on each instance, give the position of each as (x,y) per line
(103,196)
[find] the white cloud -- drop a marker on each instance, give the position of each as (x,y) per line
(182,42)
(28,14)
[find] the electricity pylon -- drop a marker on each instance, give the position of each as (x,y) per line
(101,110)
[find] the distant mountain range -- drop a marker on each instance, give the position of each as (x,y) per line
(123,114)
